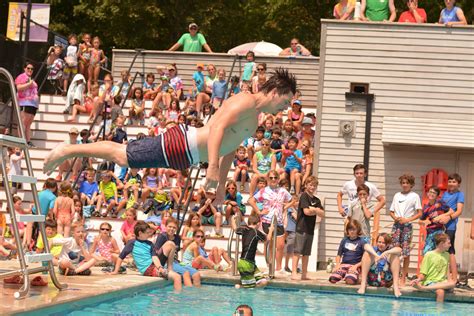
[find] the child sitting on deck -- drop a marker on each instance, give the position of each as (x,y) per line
(250,275)
(434,272)
(349,255)
(106,246)
(192,256)
(148,261)
(216,255)
(74,258)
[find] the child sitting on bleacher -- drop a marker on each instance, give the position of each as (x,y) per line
(255,143)
(233,201)
(241,165)
(89,189)
(149,87)
(133,185)
(291,160)
(108,196)
(136,113)
(106,246)
(128,226)
(51,229)
(25,229)
(209,213)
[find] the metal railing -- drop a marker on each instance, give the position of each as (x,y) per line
(179,207)
(270,254)
(237,218)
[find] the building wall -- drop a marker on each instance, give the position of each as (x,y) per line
(416,72)
(306,69)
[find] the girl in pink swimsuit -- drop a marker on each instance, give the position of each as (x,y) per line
(64,209)
(104,248)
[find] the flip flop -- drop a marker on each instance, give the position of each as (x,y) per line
(38,281)
(13,280)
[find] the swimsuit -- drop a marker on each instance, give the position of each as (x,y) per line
(104,249)
(176,148)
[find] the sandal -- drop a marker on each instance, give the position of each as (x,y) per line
(13,280)
(228,268)
(163,273)
(38,281)
(67,272)
(217,267)
(85,272)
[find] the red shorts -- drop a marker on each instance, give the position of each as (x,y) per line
(152,271)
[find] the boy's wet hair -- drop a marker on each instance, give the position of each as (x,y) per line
(359,166)
(312,180)
(408,177)
(51,223)
(140,227)
(353,224)
(363,187)
(281,80)
(455,176)
(253,219)
(441,238)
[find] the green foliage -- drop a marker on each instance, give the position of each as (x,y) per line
(158,24)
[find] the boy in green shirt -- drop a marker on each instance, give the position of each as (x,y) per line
(108,193)
(51,233)
(434,272)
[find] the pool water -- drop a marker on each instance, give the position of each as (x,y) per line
(223,299)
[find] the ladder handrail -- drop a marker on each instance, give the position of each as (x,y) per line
(272,246)
(238,219)
(196,167)
(24,267)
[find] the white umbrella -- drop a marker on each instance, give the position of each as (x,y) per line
(259,48)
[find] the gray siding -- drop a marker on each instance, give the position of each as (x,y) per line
(415,71)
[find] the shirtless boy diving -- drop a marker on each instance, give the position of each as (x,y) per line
(181,146)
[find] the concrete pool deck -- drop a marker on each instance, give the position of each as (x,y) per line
(99,283)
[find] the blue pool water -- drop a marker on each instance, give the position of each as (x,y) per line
(223,299)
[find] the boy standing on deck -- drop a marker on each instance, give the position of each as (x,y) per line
(434,272)
(405,208)
(455,200)
(309,208)
(250,275)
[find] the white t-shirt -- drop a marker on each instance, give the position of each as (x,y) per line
(15,165)
(69,245)
(350,188)
(405,205)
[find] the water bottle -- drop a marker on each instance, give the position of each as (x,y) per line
(330,266)
(357,11)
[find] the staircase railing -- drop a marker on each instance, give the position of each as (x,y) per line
(235,258)
(270,254)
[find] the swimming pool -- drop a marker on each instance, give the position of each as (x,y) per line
(218,299)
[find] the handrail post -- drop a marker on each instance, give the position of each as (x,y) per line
(188,201)
(271,267)
(138,51)
(237,246)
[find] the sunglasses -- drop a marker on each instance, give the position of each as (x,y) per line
(265,144)
(260,69)
(294,43)
(171,69)
(199,236)
(273,178)
(106,229)
(30,68)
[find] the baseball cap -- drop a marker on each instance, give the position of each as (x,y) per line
(211,190)
(298,102)
(193,25)
(307,121)
(74,130)
(200,65)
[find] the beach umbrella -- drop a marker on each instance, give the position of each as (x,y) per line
(259,48)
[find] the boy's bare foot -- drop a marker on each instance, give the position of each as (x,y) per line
(54,159)
(295,277)
(396,292)
(361,290)
(71,119)
(305,279)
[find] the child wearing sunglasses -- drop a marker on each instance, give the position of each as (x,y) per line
(104,248)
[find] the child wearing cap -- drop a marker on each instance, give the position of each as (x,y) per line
(295,114)
(306,132)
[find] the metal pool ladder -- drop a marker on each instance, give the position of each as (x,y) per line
(271,249)
(238,219)
(25,258)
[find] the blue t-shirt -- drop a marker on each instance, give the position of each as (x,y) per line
(46,201)
(142,251)
(292,163)
(218,89)
(198,77)
(89,188)
(452,199)
(291,225)
(351,250)
(248,71)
